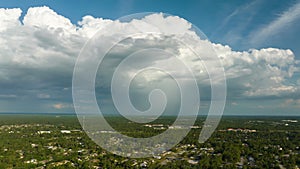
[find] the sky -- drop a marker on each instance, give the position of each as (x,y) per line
(255,40)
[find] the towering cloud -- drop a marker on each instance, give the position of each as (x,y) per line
(37,55)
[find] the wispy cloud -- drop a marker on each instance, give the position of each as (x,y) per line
(236,24)
(291,103)
(287,18)
(234,103)
(236,13)
(6,96)
(43,96)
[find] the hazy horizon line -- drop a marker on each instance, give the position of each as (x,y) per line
(114,114)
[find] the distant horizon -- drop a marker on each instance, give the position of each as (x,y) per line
(113,114)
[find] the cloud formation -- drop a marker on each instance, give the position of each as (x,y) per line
(37,55)
(286,19)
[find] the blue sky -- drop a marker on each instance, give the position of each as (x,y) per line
(241,25)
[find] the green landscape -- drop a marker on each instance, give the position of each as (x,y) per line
(58,141)
(139,84)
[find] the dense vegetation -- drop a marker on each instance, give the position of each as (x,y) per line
(37,141)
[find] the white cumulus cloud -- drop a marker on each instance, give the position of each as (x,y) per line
(38,54)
